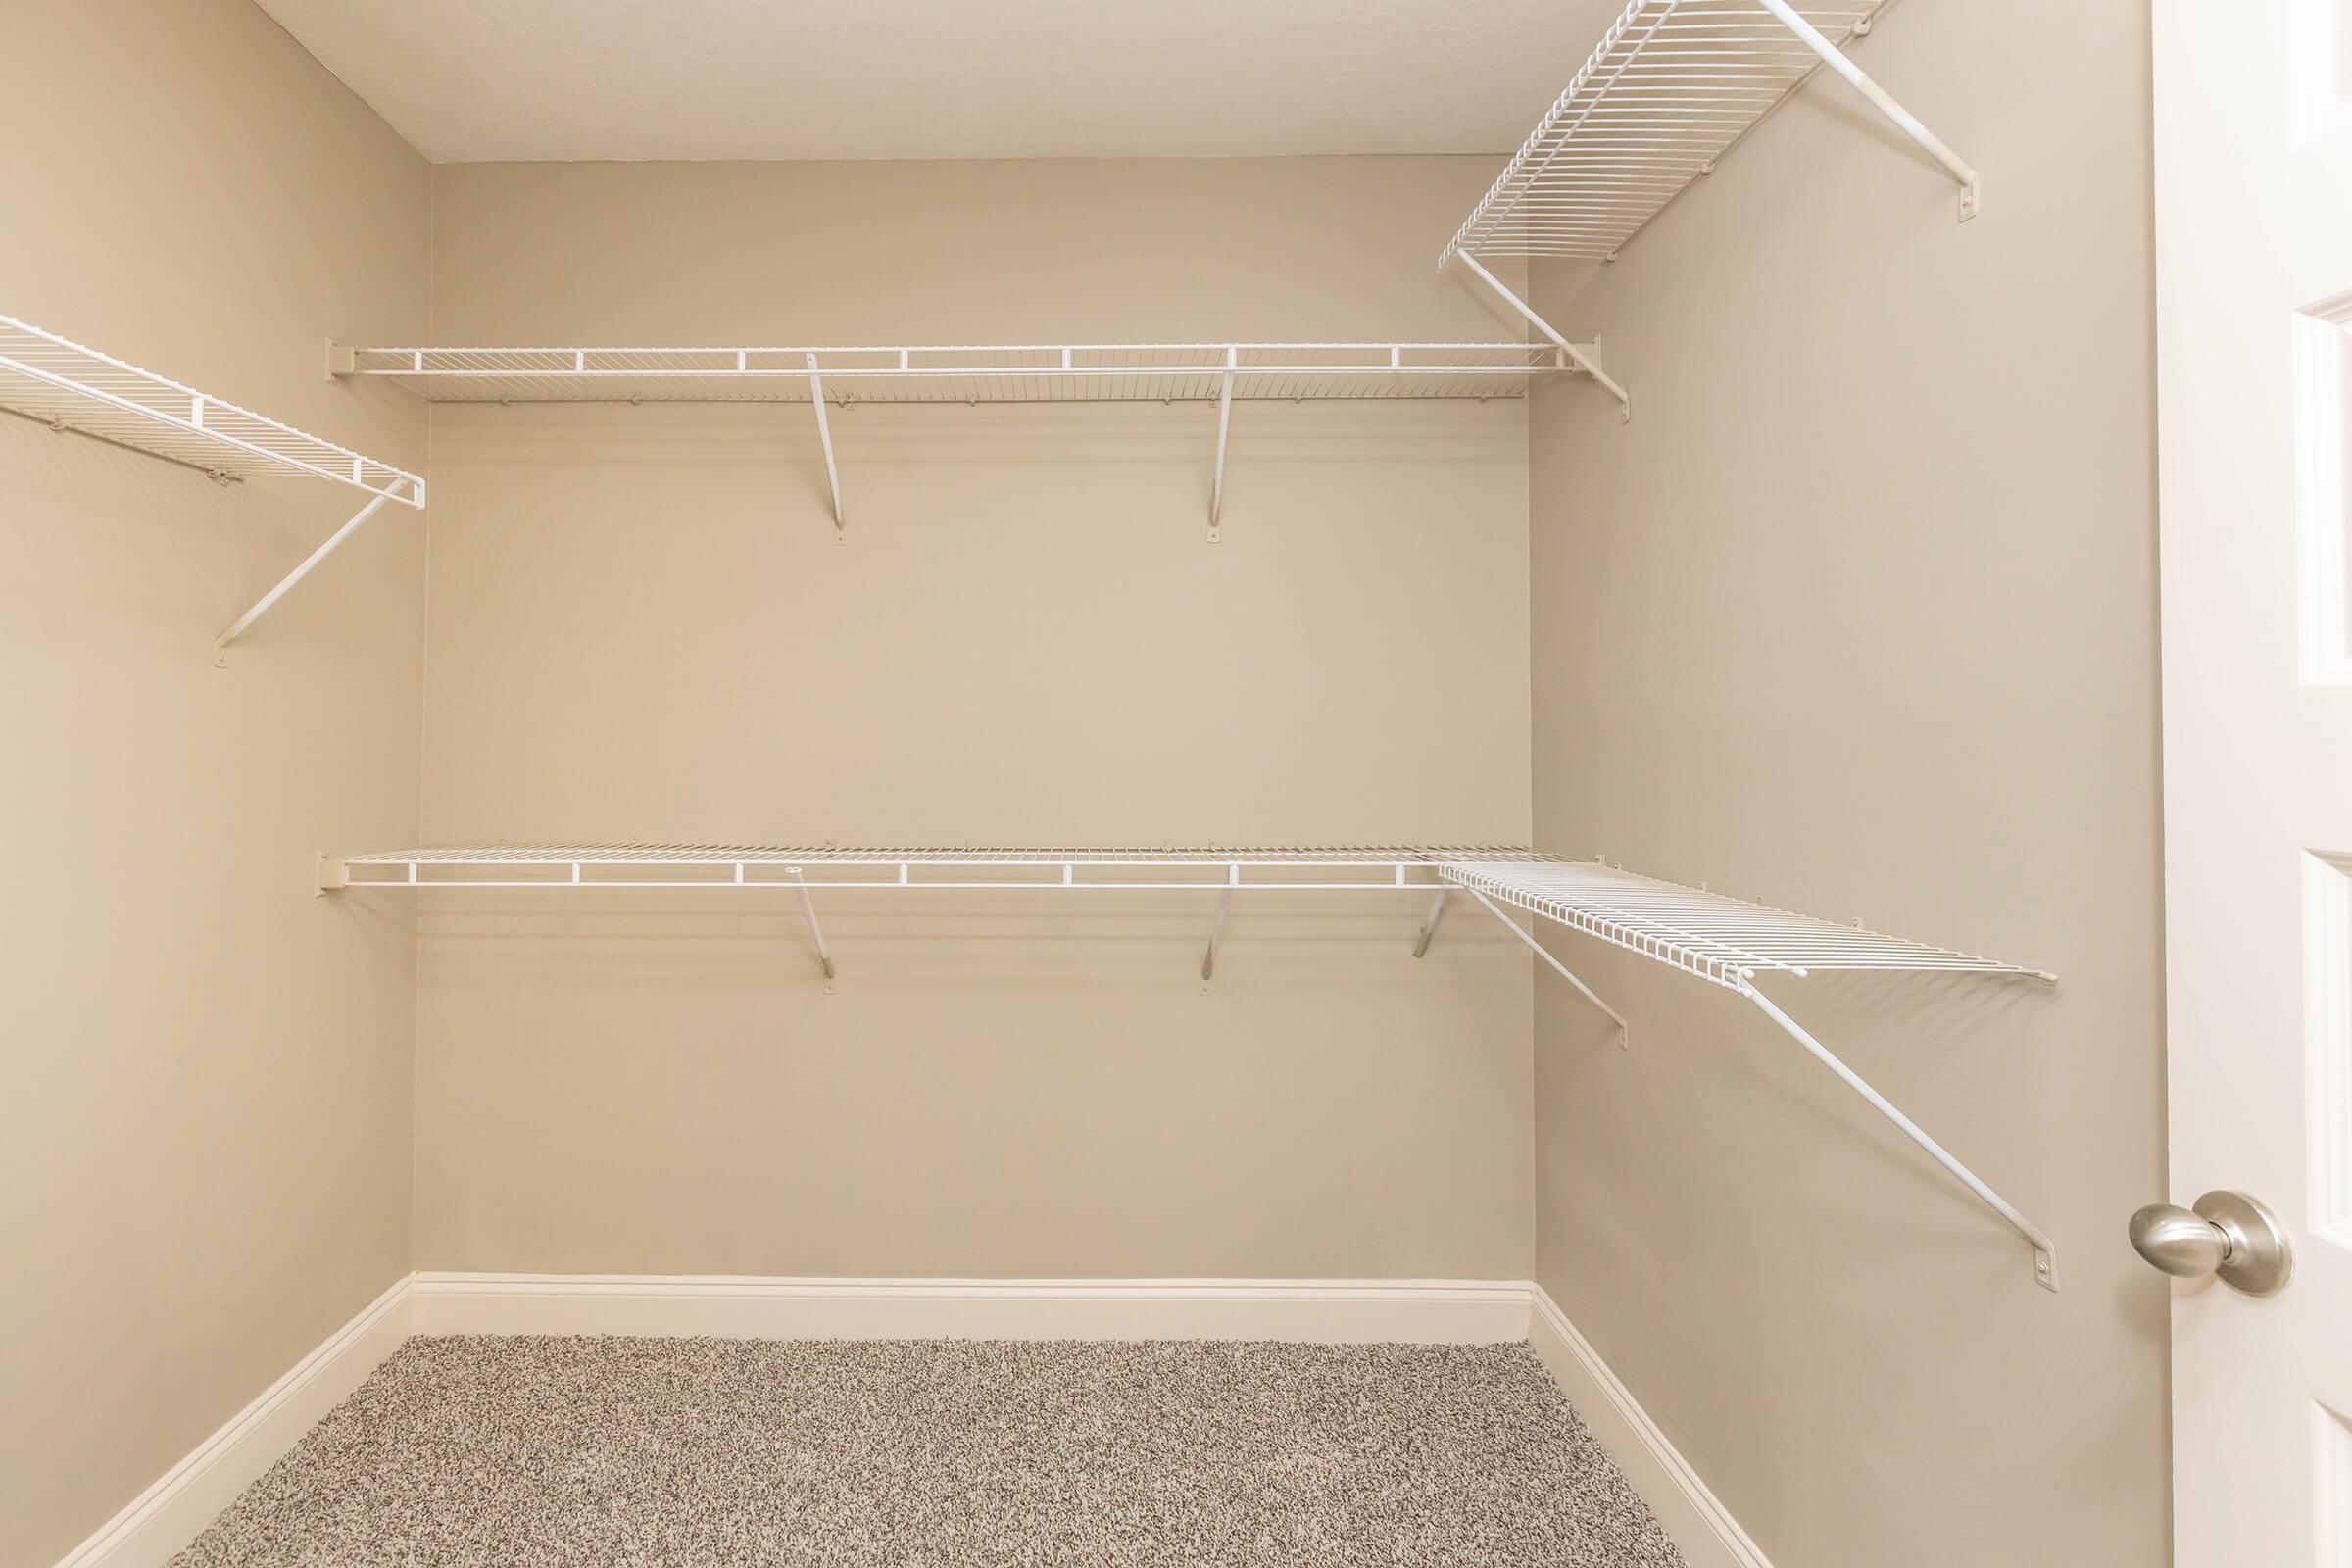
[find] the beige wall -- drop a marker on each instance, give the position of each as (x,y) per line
(1858,617)
(642,628)
(204,1111)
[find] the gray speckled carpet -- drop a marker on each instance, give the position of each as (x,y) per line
(709,1453)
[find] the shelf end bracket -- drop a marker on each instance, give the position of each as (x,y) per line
(2045,1251)
(1577,354)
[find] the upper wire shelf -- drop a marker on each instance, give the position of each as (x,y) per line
(79,388)
(1168,372)
(1067,373)
(1671,88)
(76,388)
(1673,85)
(1728,940)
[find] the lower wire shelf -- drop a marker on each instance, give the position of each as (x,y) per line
(1727,942)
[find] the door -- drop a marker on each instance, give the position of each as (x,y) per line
(2253,120)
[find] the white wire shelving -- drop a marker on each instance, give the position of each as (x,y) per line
(1728,942)
(71,387)
(725,866)
(1671,88)
(1222,373)
(1135,372)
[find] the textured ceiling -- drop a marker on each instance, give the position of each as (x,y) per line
(469,81)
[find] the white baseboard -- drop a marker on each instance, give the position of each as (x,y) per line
(1325,1311)
(1710,1538)
(168,1515)
(161,1520)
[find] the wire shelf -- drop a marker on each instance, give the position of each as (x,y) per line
(51,378)
(1672,86)
(734,866)
(1170,373)
(1723,940)
(1728,940)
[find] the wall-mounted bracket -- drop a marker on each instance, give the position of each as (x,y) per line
(1963,172)
(1429,922)
(1625,1031)
(1578,353)
(817,933)
(328,874)
(1216,927)
(824,437)
(1216,491)
(237,626)
(2045,1251)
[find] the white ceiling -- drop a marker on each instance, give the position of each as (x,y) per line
(468,81)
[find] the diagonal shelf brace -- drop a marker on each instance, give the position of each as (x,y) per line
(1576,352)
(1216,492)
(1429,922)
(824,437)
(817,933)
(1216,927)
(1960,168)
(2045,1251)
(237,626)
(1625,1032)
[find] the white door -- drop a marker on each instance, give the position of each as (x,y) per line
(2254,367)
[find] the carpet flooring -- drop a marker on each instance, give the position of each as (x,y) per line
(530,1452)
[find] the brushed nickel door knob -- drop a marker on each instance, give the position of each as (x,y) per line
(2227,1235)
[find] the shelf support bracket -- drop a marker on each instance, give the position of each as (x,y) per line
(1960,168)
(1576,354)
(817,933)
(1625,1032)
(2045,1251)
(1216,927)
(824,437)
(1429,922)
(1216,492)
(237,626)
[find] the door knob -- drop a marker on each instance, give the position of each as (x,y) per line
(2228,1234)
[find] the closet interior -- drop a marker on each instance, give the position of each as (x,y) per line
(680,840)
